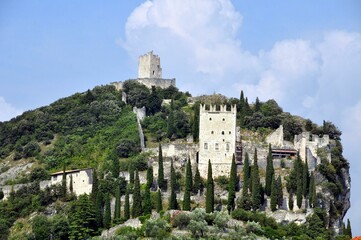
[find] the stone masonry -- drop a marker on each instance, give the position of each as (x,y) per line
(217,139)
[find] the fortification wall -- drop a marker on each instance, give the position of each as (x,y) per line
(276,138)
(157,82)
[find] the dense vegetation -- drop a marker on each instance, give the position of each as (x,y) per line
(97,129)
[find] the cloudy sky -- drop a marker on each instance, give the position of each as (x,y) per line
(307,55)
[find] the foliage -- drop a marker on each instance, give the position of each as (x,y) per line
(198,225)
(117,204)
(173,204)
(197,182)
(210,190)
(38,174)
(40,226)
(181,220)
(273,195)
(269,171)
(188,187)
(256,186)
(232,186)
(82,220)
(161,182)
(159,201)
(147,202)
(157,228)
(137,201)
(127,206)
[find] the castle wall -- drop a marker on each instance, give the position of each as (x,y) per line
(149,66)
(217,138)
(157,82)
(307,144)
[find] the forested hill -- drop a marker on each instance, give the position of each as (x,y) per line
(82,130)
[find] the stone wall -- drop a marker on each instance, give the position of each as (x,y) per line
(312,142)
(276,138)
(217,139)
(157,82)
(149,66)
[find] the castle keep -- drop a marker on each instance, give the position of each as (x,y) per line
(149,73)
(217,139)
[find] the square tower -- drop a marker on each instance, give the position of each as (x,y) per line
(217,139)
(149,66)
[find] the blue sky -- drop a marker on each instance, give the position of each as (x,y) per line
(306,55)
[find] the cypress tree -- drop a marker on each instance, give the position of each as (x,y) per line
(173,196)
(348,229)
(95,186)
(273,195)
(131,174)
(279,192)
(137,202)
(115,165)
(71,183)
(257,106)
(197,183)
(305,179)
(117,202)
(107,213)
(246,174)
(256,187)
(269,171)
(160,168)
(196,123)
(149,177)
(127,206)
(210,190)
(170,122)
(147,202)
(99,209)
(159,201)
(232,186)
(312,195)
(188,187)
(299,192)
(290,200)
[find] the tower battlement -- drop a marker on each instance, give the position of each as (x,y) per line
(149,66)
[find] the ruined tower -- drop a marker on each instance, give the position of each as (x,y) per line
(217,139)
(149,66)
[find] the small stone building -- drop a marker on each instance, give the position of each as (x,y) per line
(217,139)
(82,180)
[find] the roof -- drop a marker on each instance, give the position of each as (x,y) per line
(70,171)
(357,238)
(284,150)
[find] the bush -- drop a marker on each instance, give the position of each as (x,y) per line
(127,148)
(222,181)
(127,232)
(31,150)
(181,220)
(38,174)
(156,228)
(254,227)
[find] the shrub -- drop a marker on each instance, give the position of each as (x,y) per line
(254,227)
(222,181)
(181,220)
(156,228)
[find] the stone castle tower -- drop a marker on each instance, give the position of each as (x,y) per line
(149,66)
(217,139)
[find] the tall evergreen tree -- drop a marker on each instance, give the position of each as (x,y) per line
(159,201)
(299,192)
(95,186)
(82,224)
(290,200)
(173,196)
(273,195)
(126,205)
(305,179)
(197,183)
(131,174)
(312,195)
(161,182)
(117,202)
(149,177)
(246,174)
(232,186)
(170,121)
(147,202)
(196,123)
(99,209)
(107,212)
(71,184)
(115,165)
(257,106)
(348,229)
(269,171)
(210,190)
(279,191)
(137,201)
(256,185)
(188,187)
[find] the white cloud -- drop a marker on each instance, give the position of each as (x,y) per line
(7,111)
